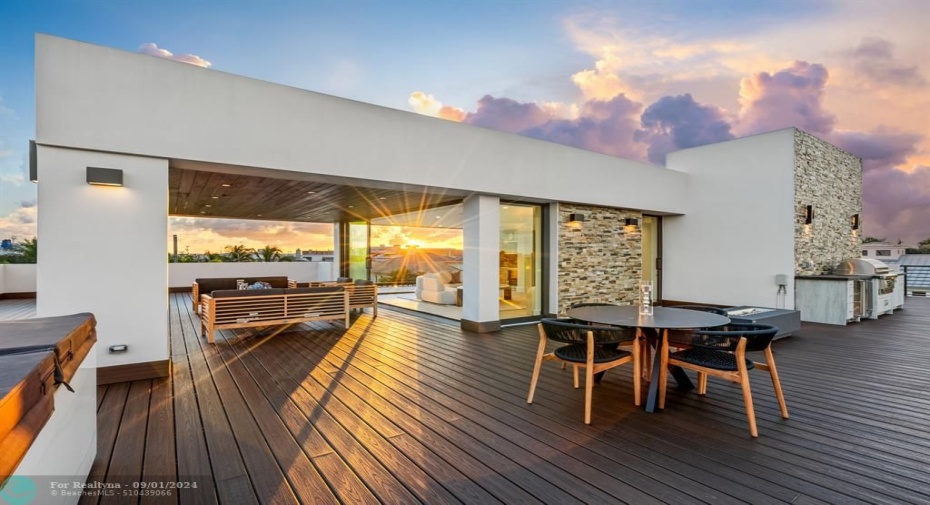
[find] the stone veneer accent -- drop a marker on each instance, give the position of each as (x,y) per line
(830,179)
(601,260)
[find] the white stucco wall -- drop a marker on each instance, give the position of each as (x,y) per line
(104,251)
(105,99)
(183,274)
(18,278)
(739,231)
(66,447)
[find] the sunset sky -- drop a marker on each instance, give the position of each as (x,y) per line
(635,79)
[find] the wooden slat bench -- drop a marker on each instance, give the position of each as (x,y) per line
(234,308)
(362,294)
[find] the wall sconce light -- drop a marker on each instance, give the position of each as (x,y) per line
(33,162)
(808,214)
(576,218)
(854,221)
(104,176)
(631,221)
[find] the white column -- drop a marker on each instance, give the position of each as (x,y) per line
(480,278)
(554,224)
(105,250)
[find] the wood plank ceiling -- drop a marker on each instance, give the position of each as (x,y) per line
(198,193)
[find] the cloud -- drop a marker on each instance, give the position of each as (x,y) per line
(427,105)
(874,59)
(198,235)
(16,178)
(601,126)
(881,148)
(897,204)
(19,224)
(26,204)
(506,115)
(152,49)
(679,122)
(603,82)
(790,97)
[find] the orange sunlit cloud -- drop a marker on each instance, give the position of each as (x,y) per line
(198,235)
(404,236)
(427,105)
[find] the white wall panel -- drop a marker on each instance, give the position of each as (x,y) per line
(103,249)
(739,232)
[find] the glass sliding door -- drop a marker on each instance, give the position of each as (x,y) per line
(359,250)
(521,269)
(652,253)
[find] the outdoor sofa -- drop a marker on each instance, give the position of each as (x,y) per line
(209,284)
(248,308)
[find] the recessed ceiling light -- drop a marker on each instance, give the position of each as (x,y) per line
(215,197)
(351,206)
(202,212)
(505,207)
(438,217)
(259,215)
(226,185)
(311,192)
(208,205)
(384,198)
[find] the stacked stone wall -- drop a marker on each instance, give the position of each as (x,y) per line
(601,259)
(830,180)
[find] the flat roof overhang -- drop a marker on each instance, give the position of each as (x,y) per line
(198,189)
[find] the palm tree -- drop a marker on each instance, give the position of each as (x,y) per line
(209,257)
(270,253)
(29,250)
(239,253)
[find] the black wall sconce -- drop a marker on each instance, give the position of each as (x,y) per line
(631,221)
(576,218)
(808,214)
(104,176)
(854,221)
(33,162)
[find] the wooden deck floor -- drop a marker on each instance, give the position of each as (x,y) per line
(401,409)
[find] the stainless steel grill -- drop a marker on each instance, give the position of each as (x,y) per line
(875,285)
(862,266)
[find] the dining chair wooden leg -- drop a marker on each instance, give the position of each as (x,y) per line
(637,376)
(663,368)
(702,383)
(575,374)
(776,382)
(540,352)
(747,394)
(647,359)
(588,378)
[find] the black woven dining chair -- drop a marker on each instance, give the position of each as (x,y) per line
(594,348)
(721,352)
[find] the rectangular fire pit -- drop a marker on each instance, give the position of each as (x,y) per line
(787,321)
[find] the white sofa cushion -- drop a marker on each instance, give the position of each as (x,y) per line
(432,287)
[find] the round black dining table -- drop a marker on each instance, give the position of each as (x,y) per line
(662,319)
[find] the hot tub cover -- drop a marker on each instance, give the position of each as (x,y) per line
(35,356)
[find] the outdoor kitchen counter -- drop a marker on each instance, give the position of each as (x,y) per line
(828,299)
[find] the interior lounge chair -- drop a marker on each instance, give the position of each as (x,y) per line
(594,348)
(721,352)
